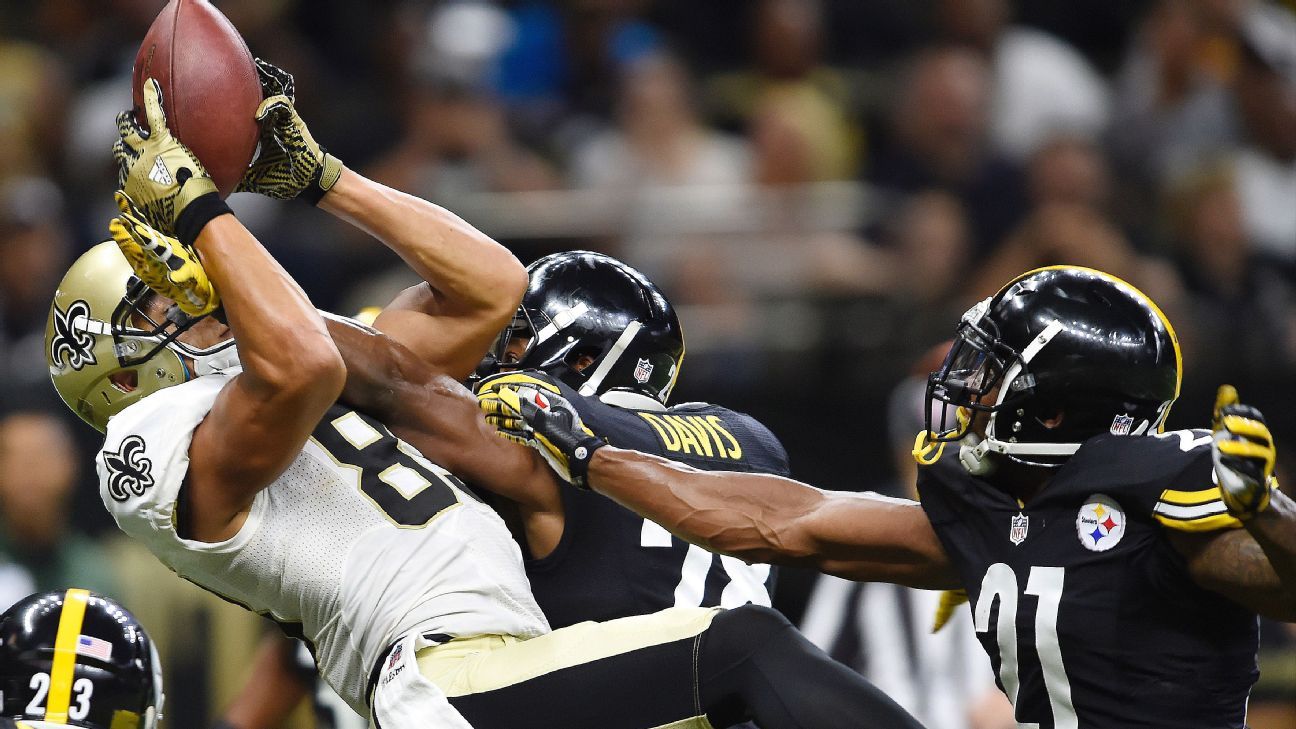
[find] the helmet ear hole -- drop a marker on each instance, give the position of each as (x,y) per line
(125,380)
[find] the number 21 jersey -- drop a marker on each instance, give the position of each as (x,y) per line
(1087,611)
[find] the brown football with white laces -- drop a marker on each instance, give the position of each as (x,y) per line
(210,88)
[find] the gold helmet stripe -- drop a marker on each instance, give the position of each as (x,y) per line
(65,653)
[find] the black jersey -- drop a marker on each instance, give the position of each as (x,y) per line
(611,562)
(1087,611)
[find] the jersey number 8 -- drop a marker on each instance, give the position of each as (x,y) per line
(408,488)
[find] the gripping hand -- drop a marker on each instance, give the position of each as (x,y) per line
(530,411)
(164,263)
(165,181)
(507,420)
(290,162)
(1244,455)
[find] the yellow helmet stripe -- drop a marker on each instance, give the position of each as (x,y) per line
(65,645)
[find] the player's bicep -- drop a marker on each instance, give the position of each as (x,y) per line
(868,537)
(1233,564)
(448,341)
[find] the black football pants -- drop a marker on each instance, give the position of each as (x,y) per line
(749,664)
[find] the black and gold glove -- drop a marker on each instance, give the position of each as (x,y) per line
(530,411)
(290,162)
(166,183)
(163,263)
(1244,454)
(506,421)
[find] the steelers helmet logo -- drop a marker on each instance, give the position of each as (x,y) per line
(1100,523)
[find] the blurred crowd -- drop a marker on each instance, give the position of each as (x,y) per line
(821,186)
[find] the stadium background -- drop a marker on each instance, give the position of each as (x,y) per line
(820,186)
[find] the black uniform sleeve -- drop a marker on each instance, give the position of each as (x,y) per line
(1191,501)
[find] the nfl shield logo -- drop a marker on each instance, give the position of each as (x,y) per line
(1020,525)
(643,370)
(1122,424)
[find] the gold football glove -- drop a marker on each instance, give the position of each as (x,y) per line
(163,263)
(290,162)
(537,416)
(1244,455)
(160,175)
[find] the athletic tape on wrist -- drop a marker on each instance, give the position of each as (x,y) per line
(197,214)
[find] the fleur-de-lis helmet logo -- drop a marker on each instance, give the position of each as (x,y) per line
(128,469)
(70,343)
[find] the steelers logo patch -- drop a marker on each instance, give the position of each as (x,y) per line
(1100,523)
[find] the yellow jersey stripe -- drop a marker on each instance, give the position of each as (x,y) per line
(65,645)
(1211,523)
(1190,498)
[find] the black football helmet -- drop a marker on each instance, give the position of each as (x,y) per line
(72,658)
(1059,355)
(579,304)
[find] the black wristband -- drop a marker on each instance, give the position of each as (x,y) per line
(579,459)
(197,214)
(319,187)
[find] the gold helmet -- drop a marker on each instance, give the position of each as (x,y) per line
(99,359)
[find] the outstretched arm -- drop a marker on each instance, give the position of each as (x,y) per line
(291,375)
(763,518)
(755,517)
(472,284)
(437,415)
(291,370)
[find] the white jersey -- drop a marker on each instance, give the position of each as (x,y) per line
(359,542)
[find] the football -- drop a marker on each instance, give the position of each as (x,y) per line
(210,89)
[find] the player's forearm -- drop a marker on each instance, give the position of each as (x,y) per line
(376,372)
(1274,529)
(764,518)
(281,338)
(468,269)
(435,414)
(749,516)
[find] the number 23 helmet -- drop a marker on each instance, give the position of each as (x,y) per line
(1059,355)
(73,658)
